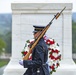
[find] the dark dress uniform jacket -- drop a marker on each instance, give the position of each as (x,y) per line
(38,66)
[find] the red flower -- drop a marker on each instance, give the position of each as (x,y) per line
(55,51)
(58,57)
(52,67)
(30,58)
(51,56)
(49,48)
(50,42)
(57,64)
(24,52)
(31,43)
(52,51)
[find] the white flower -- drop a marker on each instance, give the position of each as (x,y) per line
(55,54)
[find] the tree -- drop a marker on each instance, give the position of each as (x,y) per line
(2,45)
(74,36)
(8,41)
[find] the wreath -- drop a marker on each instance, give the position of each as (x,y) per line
(54,55)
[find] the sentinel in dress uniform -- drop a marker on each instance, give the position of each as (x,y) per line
(37,66)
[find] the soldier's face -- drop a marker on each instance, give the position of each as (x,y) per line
(36,35)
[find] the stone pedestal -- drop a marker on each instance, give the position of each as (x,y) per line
(24,16)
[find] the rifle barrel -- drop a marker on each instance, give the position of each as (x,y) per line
(41,34)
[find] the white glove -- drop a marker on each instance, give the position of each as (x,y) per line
(21,62)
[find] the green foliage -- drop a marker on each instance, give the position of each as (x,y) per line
(74,36)
(3,62)
(8,41)
(2,45)
(5,30)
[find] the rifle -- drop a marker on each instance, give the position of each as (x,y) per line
(41,34)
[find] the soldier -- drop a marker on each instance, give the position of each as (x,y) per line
(38,65)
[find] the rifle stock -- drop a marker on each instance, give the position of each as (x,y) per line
(41,34)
